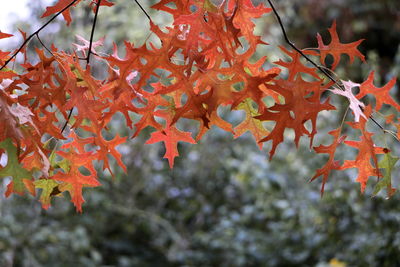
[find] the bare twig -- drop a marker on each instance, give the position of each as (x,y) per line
(35,33)
(92,32)
(144,11)
(66,122)
(45,47)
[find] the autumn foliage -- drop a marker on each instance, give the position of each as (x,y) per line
(207,58)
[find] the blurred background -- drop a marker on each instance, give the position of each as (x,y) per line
(224,203)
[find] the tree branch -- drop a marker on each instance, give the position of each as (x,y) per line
(40,41)
(92,32)
(144,11)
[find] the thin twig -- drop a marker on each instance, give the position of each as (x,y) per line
(35,33)
(92,32)
(40,40)
(144,11)
(380,126)
(66,123)
(393,134)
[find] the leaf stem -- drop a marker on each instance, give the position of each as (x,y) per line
(45,47)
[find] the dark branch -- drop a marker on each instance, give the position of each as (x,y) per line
(40,40)
(92,33)
(144,11)
(66,122)
(35,33)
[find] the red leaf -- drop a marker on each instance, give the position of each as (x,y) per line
(336,48)
(60,5)
(331,164)
(171,136)
(5,35)
(74,180)
(244,13)
(109,148)
(366,153)
(295,66)
(381,95)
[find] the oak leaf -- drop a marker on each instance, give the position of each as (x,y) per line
(355,104)
(73,179)
(20,176)
(170,136)
(381,95)
(367,152)
(387,163)
(336,48)
(250,123)
(48,186)
(331,164)
(59,6)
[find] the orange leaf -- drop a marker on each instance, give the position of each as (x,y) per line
(5,35)
(331,164)
(171,136)
(73,179)
(336,48)
(381,95)
(60,5)
(366,152)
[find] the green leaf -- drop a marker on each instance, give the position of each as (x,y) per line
(209,6)
(63,164)
(48,187)
(9,70)
(13,167)
(386,163)
(250,123)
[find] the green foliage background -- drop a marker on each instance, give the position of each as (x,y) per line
(224,203)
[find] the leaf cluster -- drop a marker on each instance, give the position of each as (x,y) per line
(200,63)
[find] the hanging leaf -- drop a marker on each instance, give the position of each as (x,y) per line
(387,163)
